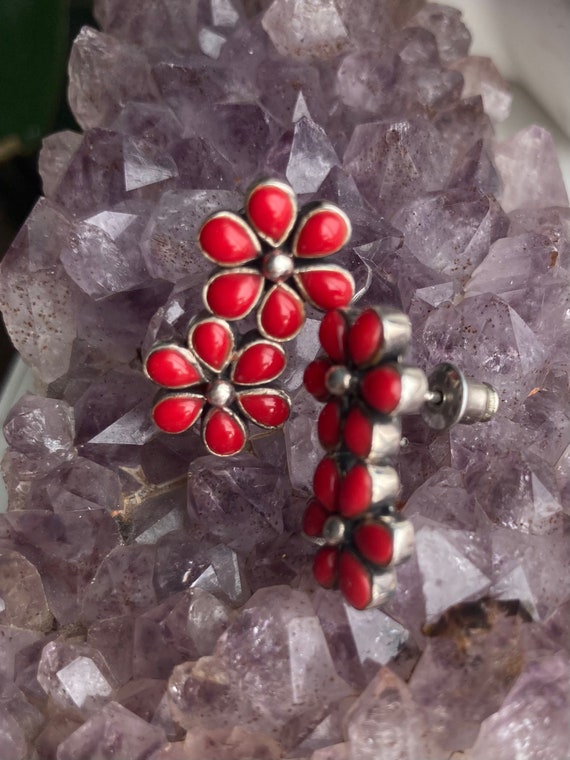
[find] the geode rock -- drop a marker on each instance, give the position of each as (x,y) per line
(156,602)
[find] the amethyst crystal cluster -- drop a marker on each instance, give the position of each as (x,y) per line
(156,602)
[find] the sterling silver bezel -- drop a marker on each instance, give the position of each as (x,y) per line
(274,243)
(245,226)
(317,209)
(263,392)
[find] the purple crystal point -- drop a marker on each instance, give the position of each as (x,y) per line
(532,148)
(112,730)
(533,719)
(386,709)
(75,677)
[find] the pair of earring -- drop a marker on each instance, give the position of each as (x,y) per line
(266,258)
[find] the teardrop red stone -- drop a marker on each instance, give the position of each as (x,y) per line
(365,337)
(223,434)
(355,491)
(375,543)
(282,314)
(314,379)
(327,288)
(232,295)
(259,363)
(332,335)
(271,210)
(326,482)
(314,518)
(228,240)
(325,566)
(324,232)
(213,343)
(357,433)
(381,387)
(354,581)
(329,424)
(170,368)
(175,414)
(268,409)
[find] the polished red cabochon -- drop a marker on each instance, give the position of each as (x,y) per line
(326,288)
(170,368)
(175,414)
(227,240)
(329,425)
(375,543)
(314,379)
(355,491)
(332,335)
(213,343)
(258,363)
(268,409)
(314,518)
(365,337)
(381,387)
(323,232)
(233,294)
(354,581)
(325,566)
(282,314)
(223,434)
(326,481)
(357,433)
(271,210)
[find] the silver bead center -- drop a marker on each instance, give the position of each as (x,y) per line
(220,393)
(338,380)
(277,266)
(334,530)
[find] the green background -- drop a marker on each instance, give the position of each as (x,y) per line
(35,38)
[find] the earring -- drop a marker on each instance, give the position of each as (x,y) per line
(275,242)
(262,254)
(222,381)
(366,388)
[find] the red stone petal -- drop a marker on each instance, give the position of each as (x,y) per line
(212,341)
(329,425)
(171,368)
(271,209)
(314,518)
(260,362)
(282,313)
(227,239)
(232,295)
(375,543)
(223,433)
(354,581)
(357,433)
(325,566)
(382,389)
(175,414)
(355,491)
(333,334)
(365,337)
(267,409)
(326,288)
(314,379)
(322,232)
(326,481)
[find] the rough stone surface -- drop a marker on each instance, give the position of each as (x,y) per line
(157,603)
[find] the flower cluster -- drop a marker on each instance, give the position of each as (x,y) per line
(211,379)
(262,255)
(362,383)
(275,243)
